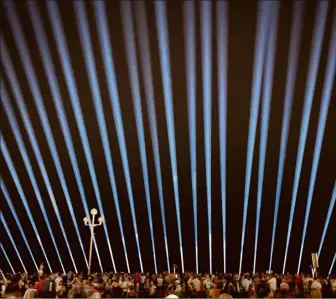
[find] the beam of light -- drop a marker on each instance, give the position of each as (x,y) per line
(32,178)
(320,22)
(163,40)
(206,49)
(326,98)
(190,54)
(142,27)
(56,96)
(129,38)
(114,191)
(30,171)
(7,258)
(332,264)
(17,220)
(262,27)
(265,114)
(32,79)
(85,39)
(296,31)
(58,31)
(6,228)
(18,185)
(326,224)
(23,110)
(107,55)
(222,58)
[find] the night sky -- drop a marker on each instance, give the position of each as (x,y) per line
(242,34)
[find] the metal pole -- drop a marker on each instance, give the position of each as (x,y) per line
(91,240)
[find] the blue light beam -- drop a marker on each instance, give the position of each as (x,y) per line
(20,103)
(107,55)
(17,220)
(320,22)
(4,223)
(29,168)
(114,188)
(332,264)
(142,27)
(260,45)
(296,31)
(7,258)
(222,58)
(326,98)
(58,31)
(53,82)
(190,54)
(206,50)
(18,185)
(129,38)
(163,40)
(84,34)
(32,79)
(326,224)
(265,114)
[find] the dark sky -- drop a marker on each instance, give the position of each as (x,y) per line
(242,32)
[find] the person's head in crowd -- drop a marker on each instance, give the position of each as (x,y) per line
(171,289)
(93,288)
(226,290)
(264,292)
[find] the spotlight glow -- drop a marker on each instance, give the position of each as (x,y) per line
(85,39)
(38,155)
(190,55)
(142,27)
(6,256)
(56,96)
(163,40)
(326,224)
(129,38)
(320,22)
(58,31)
(4,223)
(222,58)
(262,27)
(329,81)
(296,31)
(101,18)
(107,56)
(265,114)
(332,264)
(16,180)
(206,47)
(32,79)
(17,220)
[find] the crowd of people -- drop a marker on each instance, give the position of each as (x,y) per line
(169,285)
